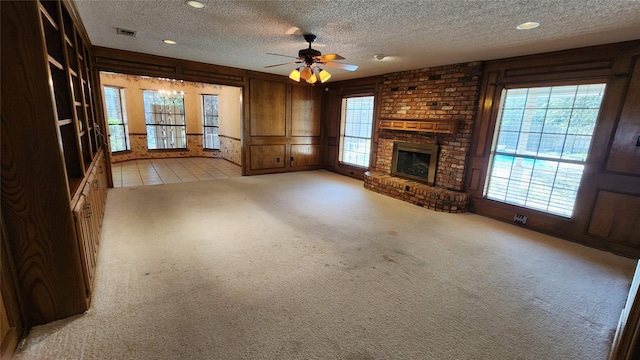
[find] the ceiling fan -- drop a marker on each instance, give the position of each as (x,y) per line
(311,59)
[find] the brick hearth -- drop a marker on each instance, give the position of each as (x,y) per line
(431,197)
(445,93)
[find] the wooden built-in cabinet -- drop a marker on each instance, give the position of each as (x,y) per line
(52,158)
(283,127)
(88,213)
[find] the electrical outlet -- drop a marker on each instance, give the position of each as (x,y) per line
(520,219)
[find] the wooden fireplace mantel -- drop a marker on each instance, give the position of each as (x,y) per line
(420,125)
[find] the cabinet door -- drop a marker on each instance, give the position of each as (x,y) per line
(83,230)
(267,157)
(305,155)
(87,235)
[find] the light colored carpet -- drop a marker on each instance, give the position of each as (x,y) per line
(310,265)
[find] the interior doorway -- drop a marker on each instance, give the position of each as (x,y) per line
(156,119)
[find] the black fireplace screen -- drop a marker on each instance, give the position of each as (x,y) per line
(415,161)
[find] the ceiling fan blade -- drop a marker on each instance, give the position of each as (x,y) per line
(289,63)
(341,66)
(293,57)
(329,57)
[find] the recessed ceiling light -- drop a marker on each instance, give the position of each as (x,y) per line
(528,25)
(379,56)
(170,42)
(195,4)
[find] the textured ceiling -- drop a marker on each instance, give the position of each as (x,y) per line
(413,34)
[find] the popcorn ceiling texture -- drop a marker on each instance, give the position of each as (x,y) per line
(412,34)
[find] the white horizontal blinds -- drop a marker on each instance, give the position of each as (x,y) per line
(542,141)
(165,119)
(115,119)
(211,121)
(357,122)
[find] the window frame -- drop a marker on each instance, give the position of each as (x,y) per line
(204,123)
(123,118)
(492,153)
(343,125)
(164,114)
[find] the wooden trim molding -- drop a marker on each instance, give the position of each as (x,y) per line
(229,137)
(128,62)
(431,126)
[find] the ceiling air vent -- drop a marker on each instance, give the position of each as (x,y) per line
(126,32)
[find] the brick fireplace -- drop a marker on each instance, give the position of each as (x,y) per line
(427,106)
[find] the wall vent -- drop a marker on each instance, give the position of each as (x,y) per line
(126,32)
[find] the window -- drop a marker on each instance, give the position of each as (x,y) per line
(541,144)
(211,121)
(115,111)
(355,130)
(164,116)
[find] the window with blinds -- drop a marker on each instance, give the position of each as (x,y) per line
(541,143)
(355,130)
(165,120)
(211,122)
(116,118)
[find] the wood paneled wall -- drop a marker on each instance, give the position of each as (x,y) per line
(607,210)
(283,130)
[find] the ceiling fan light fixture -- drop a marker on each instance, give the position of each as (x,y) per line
(324,75)
(313,79)
(295,75)
(306,73)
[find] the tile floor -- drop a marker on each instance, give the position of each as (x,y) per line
(166,171)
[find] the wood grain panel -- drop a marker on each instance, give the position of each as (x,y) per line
(267,157)
(11,324)
(624,156)
(429,126)
(616,217)
(474,184)
(267,108)
(305,155)
(305,111)
(564,68)
(487,112)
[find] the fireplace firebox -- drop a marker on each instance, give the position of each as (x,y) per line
(415,161)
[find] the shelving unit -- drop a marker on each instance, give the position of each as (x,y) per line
(53,158)
(69,71)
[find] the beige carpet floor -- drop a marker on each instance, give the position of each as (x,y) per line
(310,265)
